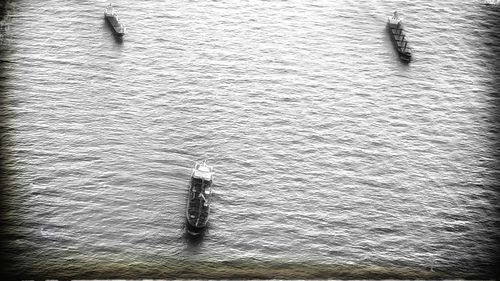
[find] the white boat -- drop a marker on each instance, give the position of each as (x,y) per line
(112,18)
(198,203)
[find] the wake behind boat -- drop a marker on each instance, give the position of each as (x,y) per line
(198,203)
(112,18)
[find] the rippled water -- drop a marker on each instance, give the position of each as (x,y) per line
(331,156)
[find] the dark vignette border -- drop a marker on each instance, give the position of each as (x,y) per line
(4,173)
(249,269)
(491,12)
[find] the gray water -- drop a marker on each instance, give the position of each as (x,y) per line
(328,150)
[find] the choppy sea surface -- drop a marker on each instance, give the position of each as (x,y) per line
(332,157)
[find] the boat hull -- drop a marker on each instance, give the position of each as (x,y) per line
(198,199)
(117,28)
(401,45)
(193,230)
(197,214)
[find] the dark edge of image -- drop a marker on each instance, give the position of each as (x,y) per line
(492,40)
(4,172)
(256,270)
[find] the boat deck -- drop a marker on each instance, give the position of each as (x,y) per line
(198,202)
(400,41)
(113,20)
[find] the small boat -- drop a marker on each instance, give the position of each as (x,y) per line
(198,203)
(112,18)
(395,26)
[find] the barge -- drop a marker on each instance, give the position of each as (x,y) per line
(398,36)
(112,18)
(198,203)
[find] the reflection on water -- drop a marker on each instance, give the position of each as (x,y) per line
(194,242)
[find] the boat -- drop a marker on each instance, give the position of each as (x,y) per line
(398,36)
(198,203)
(112,18)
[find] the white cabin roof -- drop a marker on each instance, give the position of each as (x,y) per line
(202,171)
(394,19)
